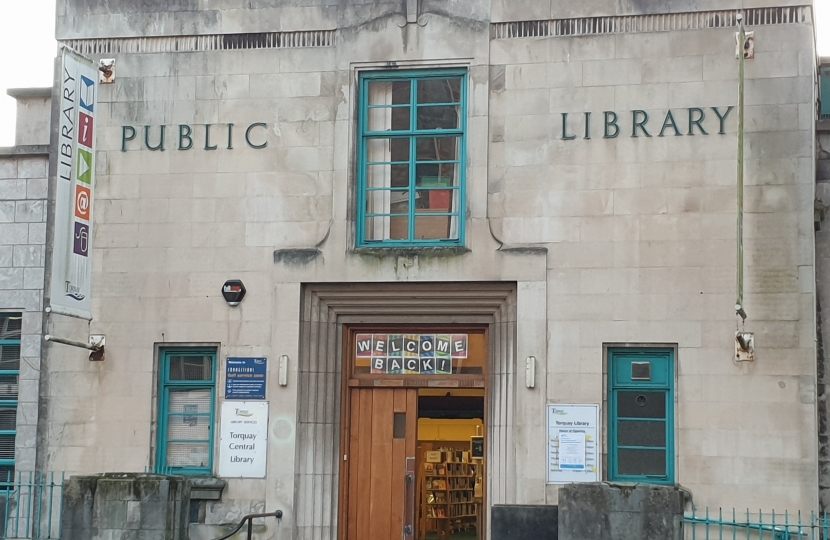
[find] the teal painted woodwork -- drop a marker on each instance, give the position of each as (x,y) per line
(641,444)
(409,137)
(10,339)
(187,411)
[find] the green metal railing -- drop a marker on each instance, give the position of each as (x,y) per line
(751,525)
(31,504)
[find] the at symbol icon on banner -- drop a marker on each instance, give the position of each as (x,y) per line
(83,202)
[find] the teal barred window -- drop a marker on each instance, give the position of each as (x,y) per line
(10,337)
(187,404)
(641,415)
(411,178)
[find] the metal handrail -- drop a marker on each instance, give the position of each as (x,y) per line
(250,519)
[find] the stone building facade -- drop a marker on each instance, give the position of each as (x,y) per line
(23,212)
(581,216)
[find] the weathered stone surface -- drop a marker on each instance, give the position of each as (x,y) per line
(600,511)
(115,505)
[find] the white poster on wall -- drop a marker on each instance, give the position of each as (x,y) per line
(71,281)
(243,439)
(573,443)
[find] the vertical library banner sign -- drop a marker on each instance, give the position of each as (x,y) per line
(243,439)
(71,265)
(572,443)
(411,354)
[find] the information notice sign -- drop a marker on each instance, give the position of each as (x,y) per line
(573,443)
(243,439)
(245,378)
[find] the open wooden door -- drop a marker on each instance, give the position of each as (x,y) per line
(381,463)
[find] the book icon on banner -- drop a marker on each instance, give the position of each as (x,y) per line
(87,93)
(84,166)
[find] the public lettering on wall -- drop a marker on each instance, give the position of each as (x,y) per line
(186,137)
(411,354)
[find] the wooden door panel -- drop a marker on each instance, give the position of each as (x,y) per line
(377,461)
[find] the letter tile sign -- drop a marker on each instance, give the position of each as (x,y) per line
(411,354)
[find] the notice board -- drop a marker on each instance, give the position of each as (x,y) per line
(245,378)
(573,443)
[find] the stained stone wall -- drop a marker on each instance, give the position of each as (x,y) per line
(619,240)
(23,194)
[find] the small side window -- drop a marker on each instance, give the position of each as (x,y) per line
(187,404)
(641,416)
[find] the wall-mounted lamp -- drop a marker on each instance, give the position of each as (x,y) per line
(283,372)
(530,372)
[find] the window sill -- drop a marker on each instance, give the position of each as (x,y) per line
(408,251)
(206,488)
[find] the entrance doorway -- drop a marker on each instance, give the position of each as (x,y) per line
(414,465)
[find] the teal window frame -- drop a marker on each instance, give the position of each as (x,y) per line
(364,135)
(11,403)
(616,386)
(165,386)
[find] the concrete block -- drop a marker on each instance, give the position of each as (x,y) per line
(37,233)
(612,72)
(28,256)
(14,233)
(12,189)
(8,168)
(7,211)
(36,188)
(29,211)
(11,278)
(33,278)
(32,167)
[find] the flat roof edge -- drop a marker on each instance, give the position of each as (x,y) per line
(28,93)
(24,150)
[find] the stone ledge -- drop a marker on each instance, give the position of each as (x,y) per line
(414,251)
(24,150)
(206,488)
(30,93)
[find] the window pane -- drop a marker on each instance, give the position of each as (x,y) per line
(386,201)
(188,455)
(439,91)
(438,117)
(10,326)
(387,228)
(8,387)
(6,446)
(641,462)
(383,150)
(189,401)
(389,118)
(433,227)
(641,404)
(378,176)
(191,368)
(437,148)
(389,93)
(10,356)
(8,419)
(633,433)
(188,428)
(6,473)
